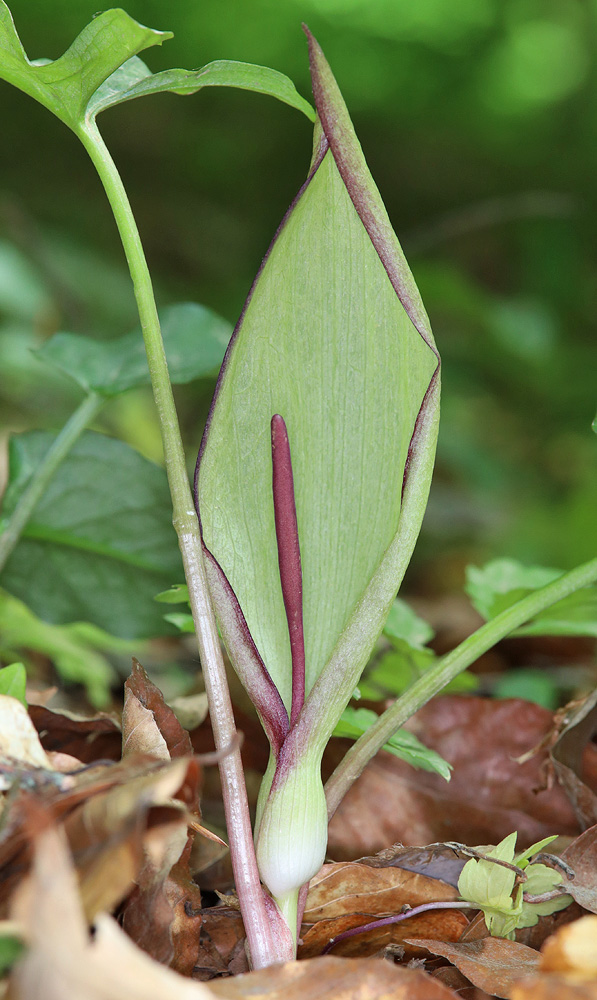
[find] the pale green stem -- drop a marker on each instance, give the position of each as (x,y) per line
(288,906)
(45,471)
(450,665)
(261,935)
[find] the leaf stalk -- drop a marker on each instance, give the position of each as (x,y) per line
(448,667)
(265,945)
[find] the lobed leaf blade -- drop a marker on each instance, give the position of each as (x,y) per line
(134,79)
(66,85)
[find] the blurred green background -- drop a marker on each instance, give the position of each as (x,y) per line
(478,120)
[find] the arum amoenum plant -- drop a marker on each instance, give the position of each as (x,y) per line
(313,475)
(314,469)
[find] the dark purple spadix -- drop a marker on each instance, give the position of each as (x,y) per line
(289,557)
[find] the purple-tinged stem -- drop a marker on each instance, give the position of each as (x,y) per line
(289,558)
(396,918)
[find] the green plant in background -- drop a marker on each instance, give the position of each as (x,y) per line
(312,478)
(493,883)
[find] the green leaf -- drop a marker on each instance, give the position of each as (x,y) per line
(76,650)
(101,68)
(66,85)
(334,338)
(404,623)
(530,684)
(183,622)
(492,887)
(178,594)
(356,721)
(502,582)
(395,670)
(13,681)
(195,339)
(134,79)
(11,949)
(100,543)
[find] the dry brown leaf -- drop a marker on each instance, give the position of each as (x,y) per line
(61,963)
(573,949)
(568,965)
(140,733)
(221,943)
(350,894)
(447,925)
(19,741)
(581,855)
(175,737)
(493,964)
(88,739)
(352,887)
(490,794)
(333,979)
(439,861)
(553,988)
(108,809)
(190,709)
(163,914)
(450,976)
(568,758)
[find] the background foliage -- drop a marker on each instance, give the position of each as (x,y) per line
(477,118)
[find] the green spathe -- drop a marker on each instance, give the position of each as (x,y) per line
(335,340)
(325,342)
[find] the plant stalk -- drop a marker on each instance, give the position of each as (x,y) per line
(44,472)
(448,667)
(263,942)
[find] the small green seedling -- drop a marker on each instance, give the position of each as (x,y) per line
(498,890)
(313,474)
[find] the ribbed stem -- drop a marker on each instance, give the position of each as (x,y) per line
(261,935)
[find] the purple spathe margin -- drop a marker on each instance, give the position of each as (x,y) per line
(259,684)
(396,268)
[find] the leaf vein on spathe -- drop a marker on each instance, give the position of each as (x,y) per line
(327,381)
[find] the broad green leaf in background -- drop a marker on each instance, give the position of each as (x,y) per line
(11,949)
(356,721)
(531,684)
(392,672)
(101,69)
(404,623)
(336,341)
(181,620)
(13,681)
(75,650)
(177,594)
(195,339)
(501,582)
(100,544)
